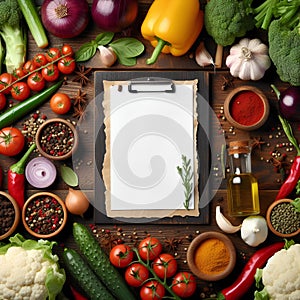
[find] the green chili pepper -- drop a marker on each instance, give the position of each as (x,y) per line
(19,110)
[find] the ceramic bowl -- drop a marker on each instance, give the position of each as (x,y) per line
(44,215)
(12,208)
(240,118)
(60,147)
(193,258)
(283,219)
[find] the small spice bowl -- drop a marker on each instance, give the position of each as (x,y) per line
(211,256)
(283,219)
(57,139)
(9,215)
(44,215)
(246,108)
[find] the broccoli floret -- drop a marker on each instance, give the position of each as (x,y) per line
(284,51)
(227,20)
(13,34)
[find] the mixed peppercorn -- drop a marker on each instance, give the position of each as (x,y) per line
(7,215)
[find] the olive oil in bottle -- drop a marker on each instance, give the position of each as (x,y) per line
(242,186)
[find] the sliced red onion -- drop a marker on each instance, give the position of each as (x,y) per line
(40,172)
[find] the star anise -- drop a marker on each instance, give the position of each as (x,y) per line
(108,241)
(257,143)
(82,75)
(279,163)
(172,244)
(79,98)
(227,82)
(79,112)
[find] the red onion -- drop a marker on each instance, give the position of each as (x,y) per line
(40,172)
(114,15)
(65,19)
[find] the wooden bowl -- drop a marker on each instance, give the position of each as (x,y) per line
(57,155)
(282,219)
(192,256)
(44,215)
(249,109)
(17,215)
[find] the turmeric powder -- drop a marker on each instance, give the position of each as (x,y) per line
(212,256)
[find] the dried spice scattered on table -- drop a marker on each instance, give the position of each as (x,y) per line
(79,98)
(172,244)
(7,215)
(257,142)
(82,75)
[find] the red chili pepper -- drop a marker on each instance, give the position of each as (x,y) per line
(76,294)
(16,178)
(246,279)
(291,181)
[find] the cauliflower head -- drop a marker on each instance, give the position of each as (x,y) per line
(280,276)
(29,270)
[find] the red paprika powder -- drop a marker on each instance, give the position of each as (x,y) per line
(247,108)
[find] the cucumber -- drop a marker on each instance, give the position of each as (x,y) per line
(100,264)
(84,276)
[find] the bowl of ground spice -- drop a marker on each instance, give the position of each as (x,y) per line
(44,215)
(283,218)
(57,139)
(246,108)
(9,215)
(211,256)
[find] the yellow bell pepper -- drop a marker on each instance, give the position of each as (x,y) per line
(172,26)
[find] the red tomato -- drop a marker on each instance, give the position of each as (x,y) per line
(52,54)
(149,248)
(2,101)
(152,290)
(67,50)
(184,284)
(60,103)
(121,255)
(11,141)
(50,73)
(20,91)
(165,265)
(136,274)
(36,81)
(28,66)
(39,60)
(66,65)
(5,80)
(19,73)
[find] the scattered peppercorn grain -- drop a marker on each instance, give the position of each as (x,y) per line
(7,215)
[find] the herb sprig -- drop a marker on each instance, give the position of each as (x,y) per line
(186,174)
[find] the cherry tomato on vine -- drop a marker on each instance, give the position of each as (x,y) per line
(60,103)
(5,80)
(2,101)
(20,91)
(152,290)
(66,65)
(36,81)
(121,256)
(19,73)
(28,66)
(52,54)
(136,274)
(149,248)
(39,60)
(184,284)
(165,265)
(67,50)
(12,141)
(50,73)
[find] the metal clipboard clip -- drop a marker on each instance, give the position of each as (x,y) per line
(151,85)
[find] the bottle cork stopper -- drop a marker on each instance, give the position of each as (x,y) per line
(239,147)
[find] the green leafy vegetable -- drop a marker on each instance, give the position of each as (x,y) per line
(288,243)
(186,174)
(69,176)
(296,203)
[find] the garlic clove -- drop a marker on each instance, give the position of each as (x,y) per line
(224,224)
(107,56)
(202,56)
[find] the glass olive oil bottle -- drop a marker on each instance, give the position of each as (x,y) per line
(242,186)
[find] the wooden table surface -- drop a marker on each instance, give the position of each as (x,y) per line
(271,135)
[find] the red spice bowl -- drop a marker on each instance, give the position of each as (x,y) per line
(211,256)
(44,215)
(246,108)
(57,139)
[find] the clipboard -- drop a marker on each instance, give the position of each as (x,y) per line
(137,86)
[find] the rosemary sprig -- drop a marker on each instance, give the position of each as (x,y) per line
(186,174)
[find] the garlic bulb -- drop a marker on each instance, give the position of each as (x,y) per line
(107,55)
(254,230)
(248,60)
(224,224)
(202,56)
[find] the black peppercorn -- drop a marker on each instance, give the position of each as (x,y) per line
(7,215)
